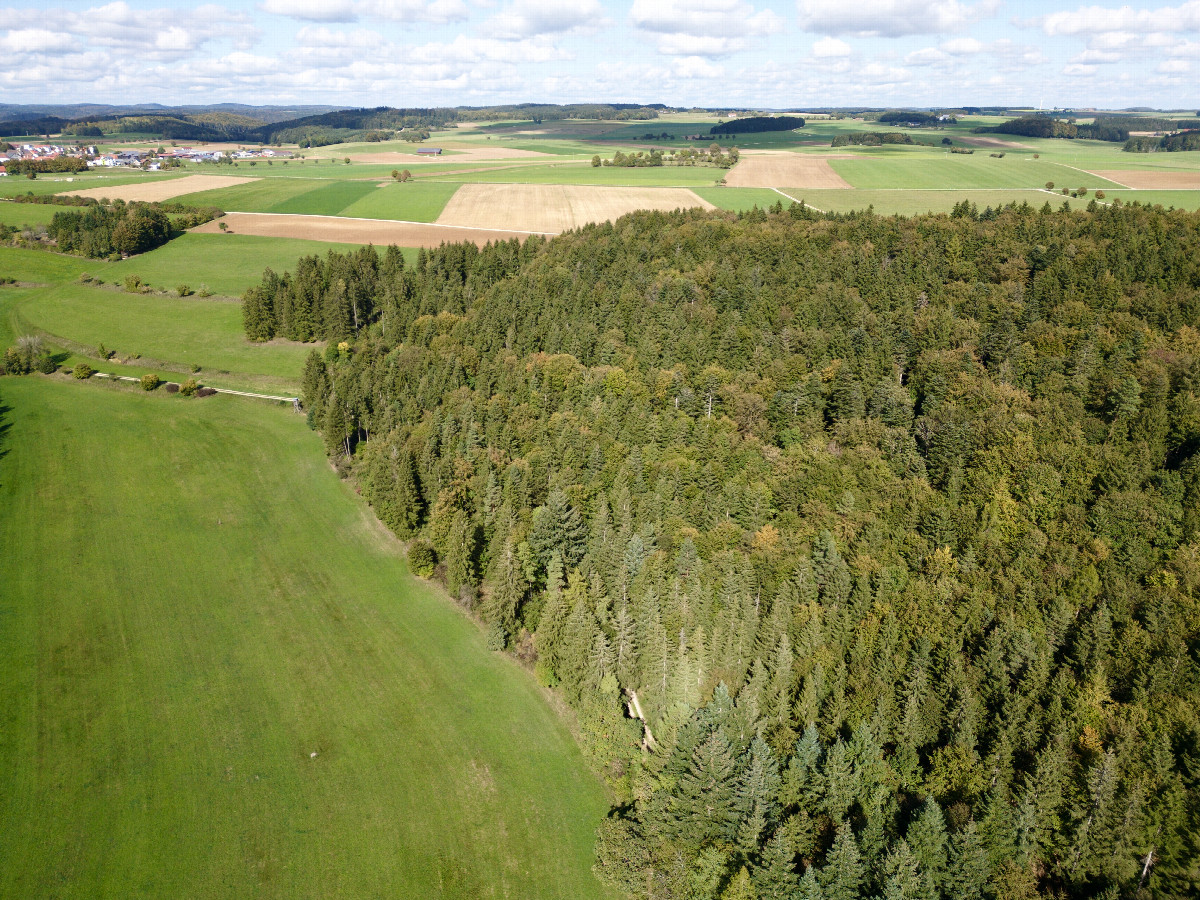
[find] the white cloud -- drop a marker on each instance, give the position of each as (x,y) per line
(702,27)
(1100,19)
(890,18)
(830,48)
(967,46)
(928,56)
(320,36)
(529,18)
(1079,69)
(37,40)
(312,10)
(1175,67)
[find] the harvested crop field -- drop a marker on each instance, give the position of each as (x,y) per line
(452,154)
(1158,180)
(781,169)
(163,190)
(335,229)
(556,207)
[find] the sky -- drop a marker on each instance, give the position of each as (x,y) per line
(769,54)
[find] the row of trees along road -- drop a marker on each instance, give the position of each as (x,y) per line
(891,526)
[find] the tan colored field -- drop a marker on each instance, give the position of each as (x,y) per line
(338,230)
(459,155)
(991,142)
(556,207)
(1159,180)
(765,168)
(162,190)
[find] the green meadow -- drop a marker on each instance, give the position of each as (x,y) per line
(952,171)
(218,679)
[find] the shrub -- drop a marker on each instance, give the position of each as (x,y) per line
(134,284)
(14,362)
(103,352)
(150,382)
(1049,185)
(1082,192)
(183,290)
(421,558)
(1099,195)
(83,370)
(189,387)
(204,291)
(45,363)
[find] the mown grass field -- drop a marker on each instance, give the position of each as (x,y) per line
(188,332)
(58,184)
(27,213)
(218,680)
(941,171)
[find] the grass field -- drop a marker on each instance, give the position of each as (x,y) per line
(59,184)
(201,701)
(27,213)
(738,199)
(584,173)
(933,171)
(908,203)
(326,200)
(416,201)
(205,333)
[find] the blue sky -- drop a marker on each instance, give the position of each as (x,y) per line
(752,53)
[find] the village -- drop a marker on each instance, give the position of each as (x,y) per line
(151,160)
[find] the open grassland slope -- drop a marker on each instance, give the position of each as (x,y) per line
(219,681)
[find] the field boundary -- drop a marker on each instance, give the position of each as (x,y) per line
(293,400)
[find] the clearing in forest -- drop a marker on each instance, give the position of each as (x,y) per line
(781,169)
(1160,180)
(162,190)
(339,230)
(556,207)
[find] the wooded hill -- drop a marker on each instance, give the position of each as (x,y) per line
(892,525)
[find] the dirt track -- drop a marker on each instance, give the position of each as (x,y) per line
(556,207)
(162,190)
(354,231)
(782,169)
(1158,180)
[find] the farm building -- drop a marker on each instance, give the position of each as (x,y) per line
(429,151)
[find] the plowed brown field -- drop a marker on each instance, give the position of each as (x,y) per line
(355,231)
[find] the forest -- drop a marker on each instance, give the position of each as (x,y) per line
(1104,129)
(1169,143)
(758,124)
(866,550)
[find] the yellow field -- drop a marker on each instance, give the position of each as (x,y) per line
(162,190)
(1153,181)
(556,207)
(767,168)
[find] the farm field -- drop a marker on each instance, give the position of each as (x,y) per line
(739,199)
(27,213)
(73,184)
(203,704)
(161,190)
(1178,199)
(333,229)
(584,173)
(555,208)
(187,332)
(909,203)
(956,171)
(784,169)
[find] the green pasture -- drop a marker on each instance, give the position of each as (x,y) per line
(41,267)
(67,184)
(953,171)
(326,200)
(225,264)
(740,199)
(202,700)
(184,332)
(414,201)
(27,213)
(252,196)
(585,173)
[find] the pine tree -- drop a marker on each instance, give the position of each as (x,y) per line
(969,873)
(704,806)
(775,878)
(927,839)
(905,880)
(756,794)
(842,876)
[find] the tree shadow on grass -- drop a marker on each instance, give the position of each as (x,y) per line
(5,425)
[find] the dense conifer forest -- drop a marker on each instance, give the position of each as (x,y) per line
(866,549)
